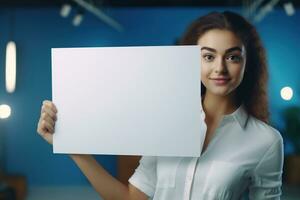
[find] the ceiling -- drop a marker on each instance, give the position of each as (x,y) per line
(136,3)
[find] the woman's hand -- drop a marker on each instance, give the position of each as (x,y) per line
(105,184)
(46,124)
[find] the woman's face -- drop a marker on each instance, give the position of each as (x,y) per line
(223,60)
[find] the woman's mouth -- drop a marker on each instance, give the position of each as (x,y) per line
(220,81)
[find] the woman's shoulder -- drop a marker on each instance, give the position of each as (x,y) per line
(263,131)
(263,138)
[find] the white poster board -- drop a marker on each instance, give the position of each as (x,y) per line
(127,100)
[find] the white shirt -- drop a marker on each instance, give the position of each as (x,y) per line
(244,153)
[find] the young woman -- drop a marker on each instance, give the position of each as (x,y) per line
(241,151)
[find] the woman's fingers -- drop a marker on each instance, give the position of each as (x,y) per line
(46,127)
(48,118)
(46,124)
(50,104)
(46,131)
(49,110)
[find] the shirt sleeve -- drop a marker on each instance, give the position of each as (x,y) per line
(144,177)
(267,177)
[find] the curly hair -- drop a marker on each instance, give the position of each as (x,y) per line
(252,91)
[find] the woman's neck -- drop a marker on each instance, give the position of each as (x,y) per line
(216,106)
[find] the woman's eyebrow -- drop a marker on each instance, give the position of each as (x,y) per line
(233,49)
(208,49)
(227,51)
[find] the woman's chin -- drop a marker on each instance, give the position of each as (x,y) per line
(222,92)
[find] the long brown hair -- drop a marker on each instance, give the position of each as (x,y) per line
(252,91)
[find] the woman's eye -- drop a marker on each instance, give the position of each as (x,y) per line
(208,57)
(234,58)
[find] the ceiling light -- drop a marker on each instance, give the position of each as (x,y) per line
(5,111)
(265,10)
(286,93)
(77,19)
(11,67)
(289,8)
(65,10)
(89,6)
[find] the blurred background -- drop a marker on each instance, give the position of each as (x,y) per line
(30,28)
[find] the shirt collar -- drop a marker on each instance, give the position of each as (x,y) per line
(240,115)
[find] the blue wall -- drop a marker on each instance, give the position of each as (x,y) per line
(36,31)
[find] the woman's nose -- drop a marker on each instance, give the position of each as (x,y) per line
(220,66)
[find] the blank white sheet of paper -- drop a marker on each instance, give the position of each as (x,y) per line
(127,100)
